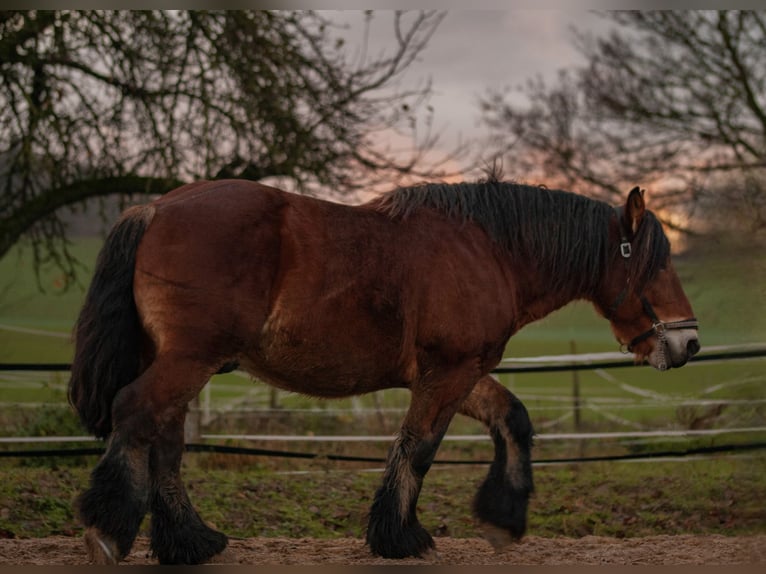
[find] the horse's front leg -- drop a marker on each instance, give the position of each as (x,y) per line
(394,530)
(502,500)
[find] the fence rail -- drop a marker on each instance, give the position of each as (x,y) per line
(576,362)
(386,438)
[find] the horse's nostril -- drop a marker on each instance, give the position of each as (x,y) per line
(693,347)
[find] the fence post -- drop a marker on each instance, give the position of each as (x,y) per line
(192,424)
(207,415)
(575,389)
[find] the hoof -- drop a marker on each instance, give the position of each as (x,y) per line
(400,542)
(228,556)
(101,550)
(191,543)
(499,538)
(431,555)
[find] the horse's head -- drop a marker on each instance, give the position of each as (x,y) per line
(641,293)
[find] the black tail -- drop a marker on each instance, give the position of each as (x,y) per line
(108,333)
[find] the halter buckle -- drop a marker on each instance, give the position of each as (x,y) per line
(625,250)
(624,348)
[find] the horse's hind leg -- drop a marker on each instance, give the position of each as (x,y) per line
(140,470)
(178,535)
(502,500)
(116,501)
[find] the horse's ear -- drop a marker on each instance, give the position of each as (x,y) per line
(634,209)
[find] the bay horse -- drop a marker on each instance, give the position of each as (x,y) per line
(420,288)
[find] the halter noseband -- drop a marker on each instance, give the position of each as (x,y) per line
(658,327)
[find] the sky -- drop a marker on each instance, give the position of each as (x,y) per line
(473,51)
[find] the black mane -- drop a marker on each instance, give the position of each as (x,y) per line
(566,233)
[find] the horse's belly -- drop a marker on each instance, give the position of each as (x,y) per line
(317,379)
(322,359)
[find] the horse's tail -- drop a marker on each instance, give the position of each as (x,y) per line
(108,332)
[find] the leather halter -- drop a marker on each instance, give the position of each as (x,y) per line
(658,327)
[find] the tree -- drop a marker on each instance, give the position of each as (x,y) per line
(97,103)
(673,101)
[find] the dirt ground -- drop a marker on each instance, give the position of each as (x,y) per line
(666,550)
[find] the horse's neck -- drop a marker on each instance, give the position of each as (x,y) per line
(536,296)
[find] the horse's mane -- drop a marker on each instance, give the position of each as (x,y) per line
(565,233)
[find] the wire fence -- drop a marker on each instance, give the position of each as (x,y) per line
(211,443)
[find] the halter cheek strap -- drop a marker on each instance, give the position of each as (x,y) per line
(626,251)
(658,327)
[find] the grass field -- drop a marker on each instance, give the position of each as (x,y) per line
(619,499)
(726,291)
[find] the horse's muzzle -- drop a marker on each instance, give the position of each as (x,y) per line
(680,346)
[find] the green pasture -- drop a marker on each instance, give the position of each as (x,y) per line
(726,291)
(711,496)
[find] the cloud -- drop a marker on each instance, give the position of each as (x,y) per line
(474,50)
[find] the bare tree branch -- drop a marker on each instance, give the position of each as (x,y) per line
(675,101)
(124,97)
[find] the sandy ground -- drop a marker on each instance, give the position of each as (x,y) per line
(666,550)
